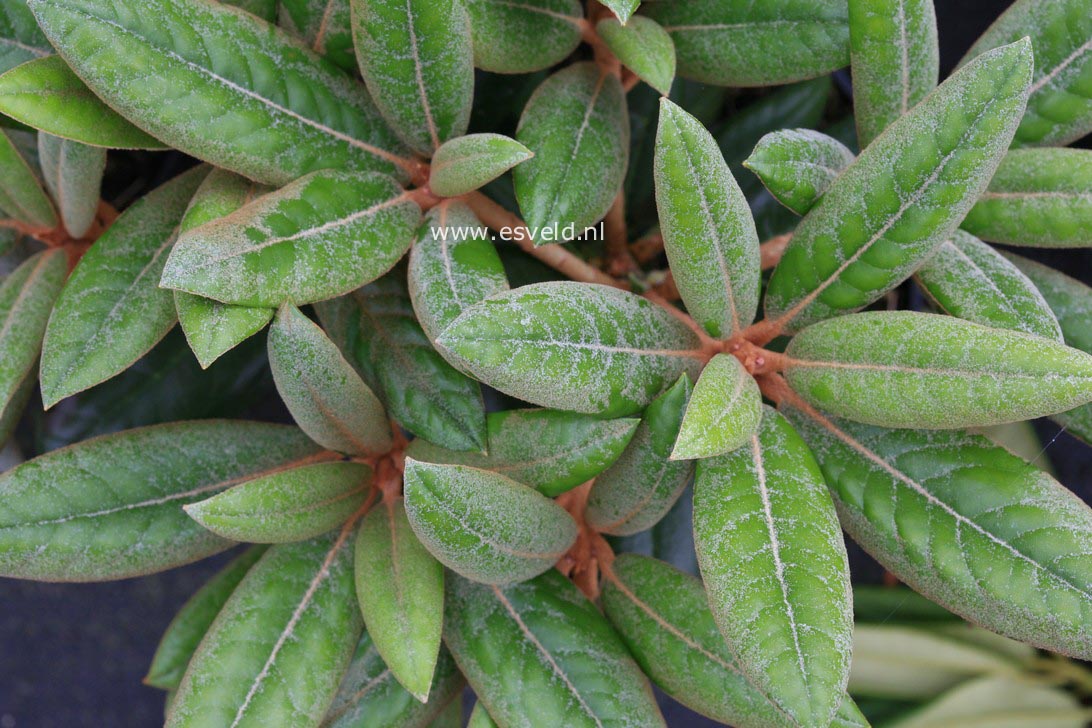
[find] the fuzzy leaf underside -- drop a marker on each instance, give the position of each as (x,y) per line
(73,175)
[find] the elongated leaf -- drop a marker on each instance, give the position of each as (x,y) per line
(194,619)
(577,126)
(643,47)
(325,395)
(1060,108)
(572,346)
(635,492)
(417,59)
(896,61)
(451,267)
(20,38)
(523,37)
(485,526)
(26,298)
(280,645)
(731,42)
(775,567)
(969,279)
(21,193)
(245,98)
(1000,701)
(400,588)
(59,523)
(467,163)
(1039,197)
(708,231)
(112,311)
(798,165)
(295,245)
(291,505)
(723,414)
(883,604)
(905,194)
(548,450)
(370,696)
(908,369)
(12,410)
(324,25)
(47,95)
(73,176)
(540,653)
(966,523)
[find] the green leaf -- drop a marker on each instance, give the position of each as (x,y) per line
(264,9)
(244,98)
(969,525)
(577,127)
(290,505)
(20,38)
(12,411)
(623,9)
(371,697)
(450,716)
(906,193)
(775,567)
(1060,107)
(548,450)
(279,647)
(294,245)
(451,267)
(185,631)
(743,43)
(480,718)
(798,165)
(324,25)
(1000,701)
(708,231)
(59,522)
(522,37)
(464,164)
(112,311)
(908,369)
(643,47)
(417,59)
(21,193)
(46,94)
(325,395)
(883,604)
(895,58)
(634,493)
(540,653)
(969,279)
(400,588)
(73,175)
(484,525)
(724,413)
(573,346)
(1039,197)
(213,328)
(26,298)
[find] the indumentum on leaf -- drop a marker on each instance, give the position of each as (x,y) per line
(521,286)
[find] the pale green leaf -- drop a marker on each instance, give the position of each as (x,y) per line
(324,25)
(643,47)
(464,164)
(723,414)
(1000,702)
(623,9)
(73,175)
(480,718)
(26,299)
(525,36)
(21,193)
(798,165)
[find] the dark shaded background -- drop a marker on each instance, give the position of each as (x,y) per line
(73,655)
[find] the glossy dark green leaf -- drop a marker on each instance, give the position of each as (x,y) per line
(895,58)
(966,523)
(112,310)
(523,37)
(743,43)
(906,193)
(73,175)
(577,126)
(708,231)
(724,411)
(185,631)
(324,25)
(325,395)
(774,564)
(21,193)
(400,588)
(26,298)
(281,643)
(295,245)
(47,95)
(20,38)
(643,47)
(798,165)
(573,346)
(483,525)
(1038,197)
(908,369)
(540,653)
(640,487)
(245,98)
(60,523)
(548,450)
(464,164)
